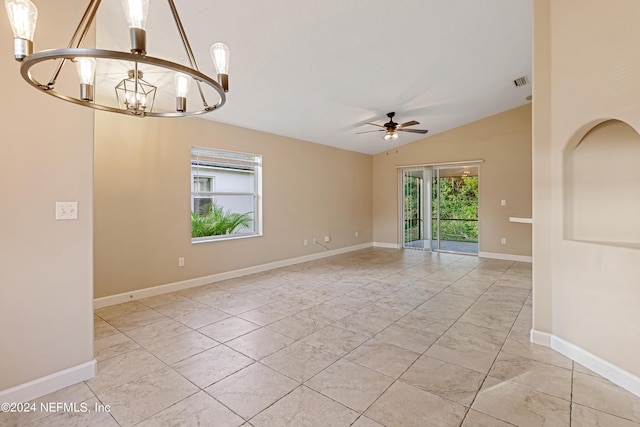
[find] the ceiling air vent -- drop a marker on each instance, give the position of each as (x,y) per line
(520,81)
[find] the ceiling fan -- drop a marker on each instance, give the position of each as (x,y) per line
(392,128)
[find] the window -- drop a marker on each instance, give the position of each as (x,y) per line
(201,201)
(225,194)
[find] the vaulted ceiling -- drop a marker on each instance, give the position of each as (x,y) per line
(321,70)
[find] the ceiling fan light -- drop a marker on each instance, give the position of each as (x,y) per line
(390,136)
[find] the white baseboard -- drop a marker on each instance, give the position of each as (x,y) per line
(540,338)
(48,384)
(199,281)
(616,375)
(386,245)
(506,257)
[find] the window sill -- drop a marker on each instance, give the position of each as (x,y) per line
(208,239)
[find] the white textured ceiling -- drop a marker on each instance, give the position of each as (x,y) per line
(320,70)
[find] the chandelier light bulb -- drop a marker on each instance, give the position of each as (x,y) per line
(390,136)
(183,84)
(86,68)
(136,13)
(220,57)
(142,100)
(136,101)
(23,15)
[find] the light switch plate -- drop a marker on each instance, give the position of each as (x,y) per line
(66,210)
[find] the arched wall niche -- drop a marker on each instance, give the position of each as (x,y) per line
(602,185)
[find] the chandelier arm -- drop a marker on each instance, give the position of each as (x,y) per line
(90,12)
(92,16)
(187,47)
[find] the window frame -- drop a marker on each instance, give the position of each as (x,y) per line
(226,160)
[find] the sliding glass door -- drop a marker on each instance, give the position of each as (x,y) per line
(416,203)
(440,208)
(454,214)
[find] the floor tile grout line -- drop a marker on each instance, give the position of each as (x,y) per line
(441,335)
(573,368)
(592,407)
(493,364)
(465,311)
(53,414)
(395,290)
(144,347)
(131,379)
(294,389)
(343,357)
(168,407)
(423,353)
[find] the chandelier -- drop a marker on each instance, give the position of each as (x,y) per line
(134,94)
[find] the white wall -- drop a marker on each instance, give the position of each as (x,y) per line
(46,284)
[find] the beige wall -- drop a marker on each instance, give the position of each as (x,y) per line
(541,161)
(503,141)
(142,201)
(46,155)
(584,293)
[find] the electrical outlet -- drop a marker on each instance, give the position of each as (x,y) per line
(503,202)
(356,234)
(181,262)
(503,240)
(305,242)
(327,238)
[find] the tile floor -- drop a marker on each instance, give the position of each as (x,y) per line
(377,337)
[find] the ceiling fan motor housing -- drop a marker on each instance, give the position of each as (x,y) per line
(391,125)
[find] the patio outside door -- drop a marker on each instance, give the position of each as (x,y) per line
(440,208)
(416,207)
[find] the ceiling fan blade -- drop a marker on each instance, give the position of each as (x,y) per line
(375,124)
(369,131)
(413,130)
(407,124)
